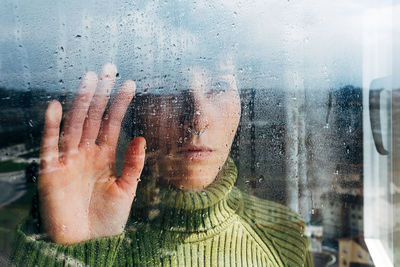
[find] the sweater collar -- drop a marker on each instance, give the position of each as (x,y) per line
(197,211)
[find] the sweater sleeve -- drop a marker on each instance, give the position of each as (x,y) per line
(32,249)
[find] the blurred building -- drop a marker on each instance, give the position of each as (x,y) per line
(353,252)
(342,216)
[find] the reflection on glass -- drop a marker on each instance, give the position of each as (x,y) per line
(221,110)
(186,210)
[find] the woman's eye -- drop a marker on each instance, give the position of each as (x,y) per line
(219,87)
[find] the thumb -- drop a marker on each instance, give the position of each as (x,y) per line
(133,166)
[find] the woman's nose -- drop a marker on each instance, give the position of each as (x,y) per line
(195,115)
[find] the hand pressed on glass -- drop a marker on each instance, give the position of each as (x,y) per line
(187,199)
(80,196)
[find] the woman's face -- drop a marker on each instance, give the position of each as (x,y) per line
(189,134)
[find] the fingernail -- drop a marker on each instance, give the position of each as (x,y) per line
(53,111)
(128,86)
(109,70)
(90,76)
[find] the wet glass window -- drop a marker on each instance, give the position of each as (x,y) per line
(200,133)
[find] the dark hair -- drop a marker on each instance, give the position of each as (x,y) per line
(134,125)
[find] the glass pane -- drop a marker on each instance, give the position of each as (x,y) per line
(380,136)
(268,130)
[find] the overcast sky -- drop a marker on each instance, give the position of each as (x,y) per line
(275,43)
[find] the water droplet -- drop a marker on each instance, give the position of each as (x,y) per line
(30,122)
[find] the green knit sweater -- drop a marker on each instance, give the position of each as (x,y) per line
(219,226)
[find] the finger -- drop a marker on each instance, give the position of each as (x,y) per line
(99,102)
(72,129)
(110,128)
(133,166)
(51,131)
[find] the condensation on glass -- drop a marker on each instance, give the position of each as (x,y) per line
(317,95)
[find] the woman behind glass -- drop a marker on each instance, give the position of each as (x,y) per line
(188,211)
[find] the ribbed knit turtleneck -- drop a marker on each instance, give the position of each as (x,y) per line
(217,226)
(202,210)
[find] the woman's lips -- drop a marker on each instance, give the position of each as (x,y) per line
(193,152)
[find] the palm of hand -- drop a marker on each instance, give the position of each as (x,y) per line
(80,196)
